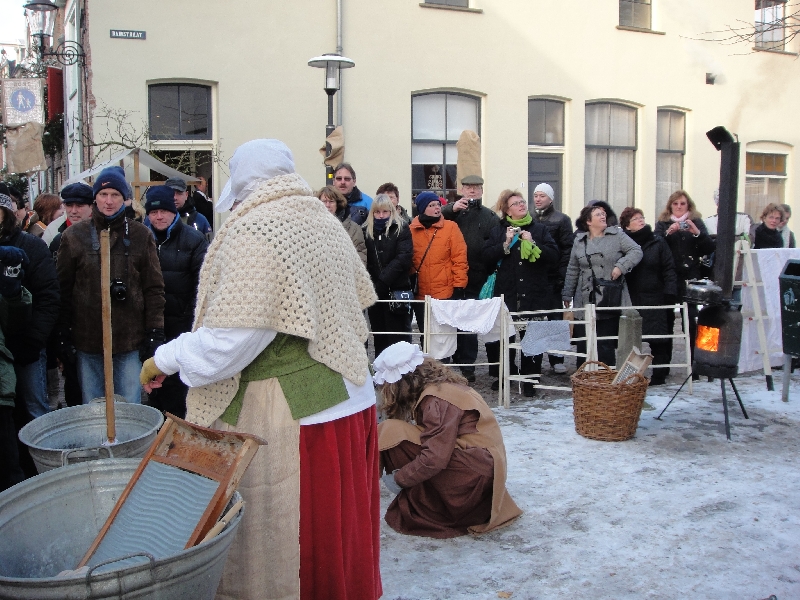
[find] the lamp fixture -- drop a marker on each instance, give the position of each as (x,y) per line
(40,16)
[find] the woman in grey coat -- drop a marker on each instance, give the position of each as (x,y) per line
(599,252)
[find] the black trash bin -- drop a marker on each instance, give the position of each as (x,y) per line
(790,306)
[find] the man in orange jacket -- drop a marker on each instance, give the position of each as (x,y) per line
(440,255)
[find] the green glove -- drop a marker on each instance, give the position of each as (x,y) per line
(529,251)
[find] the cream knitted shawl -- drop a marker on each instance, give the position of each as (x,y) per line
(281,261)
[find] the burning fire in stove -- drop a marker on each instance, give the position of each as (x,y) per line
(707,338)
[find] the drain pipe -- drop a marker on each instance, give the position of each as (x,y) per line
(339,51)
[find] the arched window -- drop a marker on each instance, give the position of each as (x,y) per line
(179,111)
(437,120)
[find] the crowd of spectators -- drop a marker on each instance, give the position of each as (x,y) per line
(438,249)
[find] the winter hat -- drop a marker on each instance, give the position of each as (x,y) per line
(395,361)
(425,198)
(5,198)
(114,178)
(547,189)
(252,164)
(77,193)
(160,197)
(176,183)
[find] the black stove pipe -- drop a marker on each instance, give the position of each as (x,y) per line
(728,197)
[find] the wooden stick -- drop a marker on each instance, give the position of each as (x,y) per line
(108,364)
(226,518)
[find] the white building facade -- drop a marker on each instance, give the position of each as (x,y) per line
(605,99)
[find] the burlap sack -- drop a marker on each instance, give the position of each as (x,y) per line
(336,140)
(24,152)
(469,155)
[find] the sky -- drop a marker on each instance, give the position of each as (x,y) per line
(12,20)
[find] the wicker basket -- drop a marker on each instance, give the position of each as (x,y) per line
(606,412)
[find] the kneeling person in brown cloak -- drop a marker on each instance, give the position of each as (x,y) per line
(441,448)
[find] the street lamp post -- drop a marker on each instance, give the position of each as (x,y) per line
(333,65)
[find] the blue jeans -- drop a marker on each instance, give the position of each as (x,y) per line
(32,385)
(126,376)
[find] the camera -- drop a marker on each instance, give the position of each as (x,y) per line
(472,202)
(119,291)
(683,225)
(516,230)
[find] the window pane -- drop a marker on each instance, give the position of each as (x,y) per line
(597,123)
(760,191)
(536,121)
(427,116)
(669,175)
(670,130)
(595,176)
(164,112)
(623,125)
(554,125)
(769,24)
(422,154)
(194,111)
(451,154)
(620,179)
(462,113)
(635,13)
(758,163)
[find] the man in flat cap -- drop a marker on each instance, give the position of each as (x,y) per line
(476,223)
(186,210)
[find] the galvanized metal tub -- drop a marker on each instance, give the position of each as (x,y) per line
(76,434)
(47,524)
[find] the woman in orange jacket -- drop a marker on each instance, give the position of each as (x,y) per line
(440,255)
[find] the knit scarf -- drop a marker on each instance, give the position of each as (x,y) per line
(528,250)
(680,219)
(644,235)
(427,221)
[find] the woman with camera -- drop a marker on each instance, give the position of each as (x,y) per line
(601,256)
(389,252)
(680,224)
(523,252)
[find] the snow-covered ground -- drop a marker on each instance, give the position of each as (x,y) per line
(676,512)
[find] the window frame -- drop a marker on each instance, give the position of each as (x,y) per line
(207,137)
(545,144)
(449,3)
(609,148)
(764,178)
(771,45)
(444,143)
(633,4)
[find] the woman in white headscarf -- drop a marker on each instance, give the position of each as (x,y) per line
(278,351)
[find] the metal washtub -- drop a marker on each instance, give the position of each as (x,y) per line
(47,524)
(76,434)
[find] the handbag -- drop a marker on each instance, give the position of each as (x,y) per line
(487,291)
(610,291)
(400,301)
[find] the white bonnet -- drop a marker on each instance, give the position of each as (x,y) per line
(397,360)
(251,164)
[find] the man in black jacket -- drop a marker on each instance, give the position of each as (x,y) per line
(559,226)
(476,223)
(201,201)
(181,250)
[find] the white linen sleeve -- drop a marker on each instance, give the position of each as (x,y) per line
(210,354)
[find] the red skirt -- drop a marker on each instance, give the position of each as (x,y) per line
(340,509)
